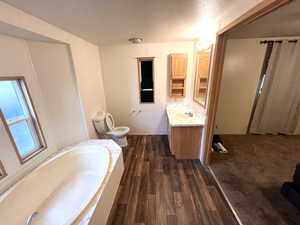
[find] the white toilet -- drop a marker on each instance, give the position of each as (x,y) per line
(105,126)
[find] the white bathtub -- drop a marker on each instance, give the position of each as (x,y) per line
(61,190)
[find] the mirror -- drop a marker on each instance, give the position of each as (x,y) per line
(203,59)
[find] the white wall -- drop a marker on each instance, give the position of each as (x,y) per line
(86,61)
(57,81)
(242,68)
(49,73)
(15,61)
(122,88)
(85,57)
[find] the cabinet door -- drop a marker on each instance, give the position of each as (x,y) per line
(178,65)
(186,142)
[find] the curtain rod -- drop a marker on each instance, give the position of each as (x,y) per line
(277,41)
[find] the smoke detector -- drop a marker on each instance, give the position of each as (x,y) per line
(135,40)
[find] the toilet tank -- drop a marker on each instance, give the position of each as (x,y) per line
(99,122)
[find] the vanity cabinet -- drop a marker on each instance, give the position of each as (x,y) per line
(185,141)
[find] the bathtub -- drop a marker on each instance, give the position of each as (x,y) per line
(61,190)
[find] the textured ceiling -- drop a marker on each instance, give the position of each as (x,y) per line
(114,21)
(283,22)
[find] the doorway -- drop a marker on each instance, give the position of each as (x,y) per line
(252,173)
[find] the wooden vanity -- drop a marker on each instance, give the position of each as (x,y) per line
(184,134)
(185,142)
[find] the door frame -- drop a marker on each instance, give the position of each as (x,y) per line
(260,10)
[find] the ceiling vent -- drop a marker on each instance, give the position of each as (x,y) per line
(135,40)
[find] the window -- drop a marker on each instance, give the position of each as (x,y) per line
(2,171)
(18,115)
(145,66)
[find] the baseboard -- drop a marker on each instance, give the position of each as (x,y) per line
(226,197)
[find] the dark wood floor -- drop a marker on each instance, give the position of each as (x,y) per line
(156,189)
(252,173)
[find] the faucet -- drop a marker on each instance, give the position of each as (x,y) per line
(30,218)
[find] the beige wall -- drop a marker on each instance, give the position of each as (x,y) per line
(297,130)
(122,88)
(15,60)
(48,72)
(84,55)
(56,79)
(243,63)
(242,67)
(233,11)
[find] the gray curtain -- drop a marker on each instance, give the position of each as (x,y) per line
(278,107)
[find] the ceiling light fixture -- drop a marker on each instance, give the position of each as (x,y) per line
(135,40)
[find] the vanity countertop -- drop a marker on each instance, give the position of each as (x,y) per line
(184,116)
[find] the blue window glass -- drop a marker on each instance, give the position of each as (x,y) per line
(21,121)
(10,103)
(23,137)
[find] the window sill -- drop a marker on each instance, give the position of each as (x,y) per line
(32,155)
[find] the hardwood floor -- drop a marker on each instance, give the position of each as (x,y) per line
(252,174)
(157,189)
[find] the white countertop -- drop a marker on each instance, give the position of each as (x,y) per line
(178,116)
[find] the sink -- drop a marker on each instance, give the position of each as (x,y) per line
(184,116)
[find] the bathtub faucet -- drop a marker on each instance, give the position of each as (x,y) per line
(30,218)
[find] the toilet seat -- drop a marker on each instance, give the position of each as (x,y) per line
(109,120)
(118,134)
(114,131)
(118,131)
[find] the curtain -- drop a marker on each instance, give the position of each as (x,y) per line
(278,107)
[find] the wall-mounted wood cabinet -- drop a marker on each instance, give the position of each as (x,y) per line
(178,68)
(177,88)
(178,65)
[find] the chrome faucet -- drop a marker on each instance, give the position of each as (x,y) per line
(30,218)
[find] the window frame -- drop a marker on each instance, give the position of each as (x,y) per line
(139,60)
(3,172)
(32,120)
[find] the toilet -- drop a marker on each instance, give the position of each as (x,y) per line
(105,126)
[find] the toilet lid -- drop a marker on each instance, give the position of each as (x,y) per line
(109,121)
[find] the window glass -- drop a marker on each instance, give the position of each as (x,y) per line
(146,80)
(9,101)
(20,118)
(23,137)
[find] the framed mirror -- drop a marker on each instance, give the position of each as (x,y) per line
(203,59)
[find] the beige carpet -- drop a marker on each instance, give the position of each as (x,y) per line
(252,173)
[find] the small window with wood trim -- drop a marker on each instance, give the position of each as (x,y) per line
(146,79)
(2,171)
(19,117)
